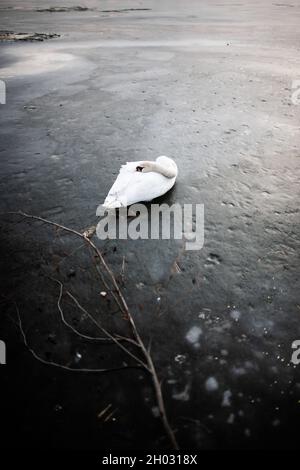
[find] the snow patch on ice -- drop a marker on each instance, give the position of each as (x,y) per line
(193,336)
(227,398)
(184,395)
(235,315)
(238,371)
(211,384)
(155,411)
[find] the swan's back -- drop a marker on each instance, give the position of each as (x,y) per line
(132,186)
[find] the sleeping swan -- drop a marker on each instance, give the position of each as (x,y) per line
(141,181)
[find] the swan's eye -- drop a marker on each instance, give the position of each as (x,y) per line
(139,168)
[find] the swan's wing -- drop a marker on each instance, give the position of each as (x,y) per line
(124,177)
(145,187)
(127,177)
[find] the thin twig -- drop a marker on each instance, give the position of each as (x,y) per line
(129,340)
(102,413)
(63,318)
(110,415)
(56,364)
(122,273)
(100,274)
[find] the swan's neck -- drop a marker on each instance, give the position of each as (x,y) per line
(167,172)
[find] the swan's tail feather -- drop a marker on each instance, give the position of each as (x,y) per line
(112,204)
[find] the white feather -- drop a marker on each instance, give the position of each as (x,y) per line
(132,186)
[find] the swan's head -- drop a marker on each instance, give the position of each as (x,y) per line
(163,165)
(145,167)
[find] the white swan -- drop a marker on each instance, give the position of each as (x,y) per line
(141,181)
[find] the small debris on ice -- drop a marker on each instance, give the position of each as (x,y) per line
(78,357)
(13,36)
(71,273)
(103,293)
(89,232)
(205,311)
(180,358)
(52,338)
(62,9)
(230,419)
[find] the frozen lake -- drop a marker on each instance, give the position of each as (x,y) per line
(214,86)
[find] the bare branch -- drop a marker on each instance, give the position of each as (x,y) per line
(124,307)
